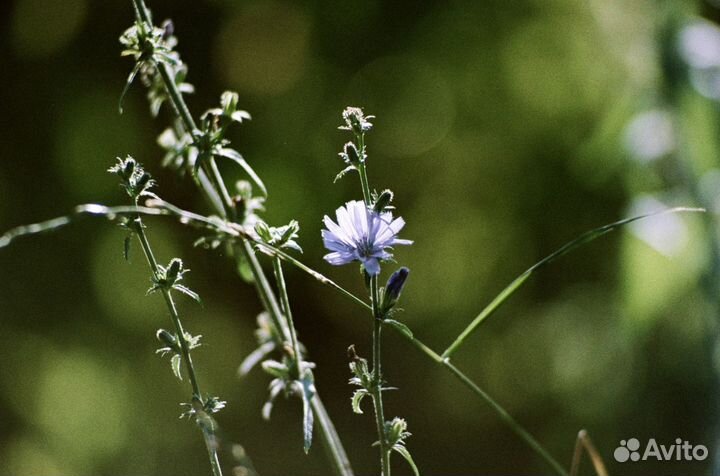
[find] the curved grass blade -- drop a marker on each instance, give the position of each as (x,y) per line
(566,248)
(235,156)
(81,211)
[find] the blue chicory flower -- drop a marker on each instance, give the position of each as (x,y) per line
(361,234)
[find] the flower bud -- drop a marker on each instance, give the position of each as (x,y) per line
(128,169)
(229,102)
(167,339)
(394,288)
(396,430)
(143,181)
(383,201)
(351,155)
(356,121)
(174,270)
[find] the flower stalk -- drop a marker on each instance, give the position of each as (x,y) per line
(215,187)
(137,184)
(377,332)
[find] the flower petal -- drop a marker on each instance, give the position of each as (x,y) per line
(339,258)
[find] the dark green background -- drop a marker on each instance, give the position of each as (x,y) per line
(501,127)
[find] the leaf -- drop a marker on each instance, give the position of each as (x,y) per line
(307,393)
(255,357)
(406,454)
(128,83)
(357,398)
(344,171)
(399,326)
(175,364)
(276,386)
(188,292)
(245,271)
(240,160)
(510,289)
(275,368)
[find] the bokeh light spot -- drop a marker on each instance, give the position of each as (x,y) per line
(263,49)
(42,27)
(89,136)
(412,100)
(80,403)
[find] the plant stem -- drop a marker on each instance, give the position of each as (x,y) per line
(184,349)
(378,380)
(266,294)
(509,420)
(332,443)
(362,170)
(377,332)
(282,287)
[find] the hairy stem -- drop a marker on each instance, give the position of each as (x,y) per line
(378,380)
(184,348)
(267,297)
(284,299)
(377,334)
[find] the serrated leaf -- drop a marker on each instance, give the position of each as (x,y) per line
(406,454)
(344,171)
(175,364)
(255,357)
(188,292)
(399,326)
(240,160)
(357,398)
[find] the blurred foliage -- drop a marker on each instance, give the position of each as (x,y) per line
(504,128)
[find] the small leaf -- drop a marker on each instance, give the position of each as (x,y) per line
(240,160)
(399,326)
(357,398)
(128,83)
(344,171)
(255,357)
(245,271)
(307,392)
(276,386)
(188,292)
(275,368)
(406,454)
(175,364)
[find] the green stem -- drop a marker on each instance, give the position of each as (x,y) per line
(509,420)
(184,348)
(377,332)
(363,170)
(378,380)
(265,292)
(228,210)
(331,441)
(284,299)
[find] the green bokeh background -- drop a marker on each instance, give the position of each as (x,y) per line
(501,126)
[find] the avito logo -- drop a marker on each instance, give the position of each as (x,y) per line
(629,450)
